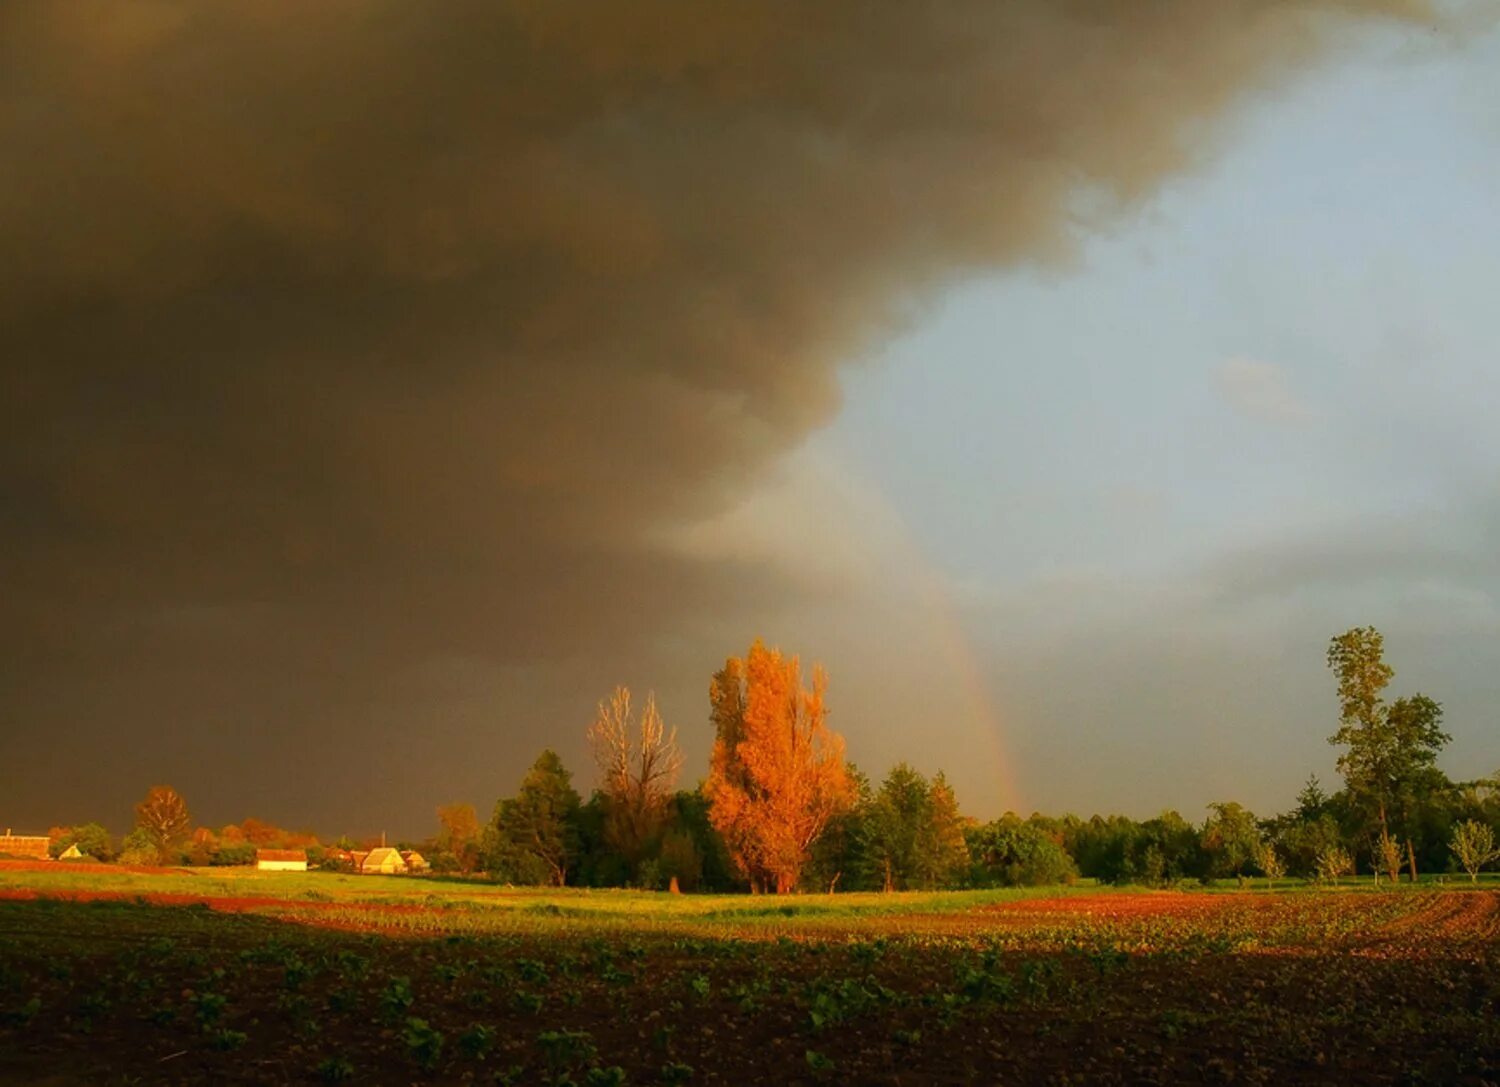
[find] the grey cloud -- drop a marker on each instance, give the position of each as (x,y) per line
(344,337)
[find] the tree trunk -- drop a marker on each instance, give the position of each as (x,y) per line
(1411,859)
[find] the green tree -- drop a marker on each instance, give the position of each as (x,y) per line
(1312,801)
(1270,863)
(1474,847)
(138,847)
(1231,841)
(913,832)
(837,862)
(533,837)
(91,839)
(458,837)
(1011,852)
(890,829)
(1390,751)
(944,852)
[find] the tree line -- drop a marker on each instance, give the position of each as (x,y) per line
(781,809)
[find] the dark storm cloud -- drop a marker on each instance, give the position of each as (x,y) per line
(343,338)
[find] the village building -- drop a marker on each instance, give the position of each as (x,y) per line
(281,860)
(415,862)
(383,861)
(31,847)
(72,853)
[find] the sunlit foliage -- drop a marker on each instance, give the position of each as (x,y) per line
(777,774)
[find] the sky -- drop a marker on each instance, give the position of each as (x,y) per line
(382,386)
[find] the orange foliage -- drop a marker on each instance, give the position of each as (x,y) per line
(258,832)
(777,774)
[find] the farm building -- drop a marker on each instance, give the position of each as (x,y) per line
(281,860)
(384,861)
(72,853)
(415,862)
(33,847)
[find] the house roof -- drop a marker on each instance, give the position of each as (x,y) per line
(281,854)
(379,856)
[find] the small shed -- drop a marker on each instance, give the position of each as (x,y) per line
(415,862)
(383,861)
(281,860)
(72,853)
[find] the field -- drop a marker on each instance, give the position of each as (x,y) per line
(186,977)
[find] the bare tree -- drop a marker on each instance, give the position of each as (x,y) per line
(163,815)
(638,765)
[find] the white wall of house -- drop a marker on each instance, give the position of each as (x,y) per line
(281,866)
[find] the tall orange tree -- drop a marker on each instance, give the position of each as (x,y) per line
(777,775)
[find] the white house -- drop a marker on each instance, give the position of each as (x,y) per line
(281,860)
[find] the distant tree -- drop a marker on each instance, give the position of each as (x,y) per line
(777,775)
(913,832)
(1231,841)
(1390,750)
(1167,851)
(534,835)
(458,836)
(1302,841)
(1270,863)
(893,826)
(679,859)
(163,815)
(233,854)
(91,839)
(1334,861)
(139,847)
(838,861)
(688,814)
(1473,845)
(1312,801)
(945,850)
(261,833)
(1011,852)
(638,765)
(201,846)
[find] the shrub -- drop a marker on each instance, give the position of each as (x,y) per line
(138,848)
(232,854)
